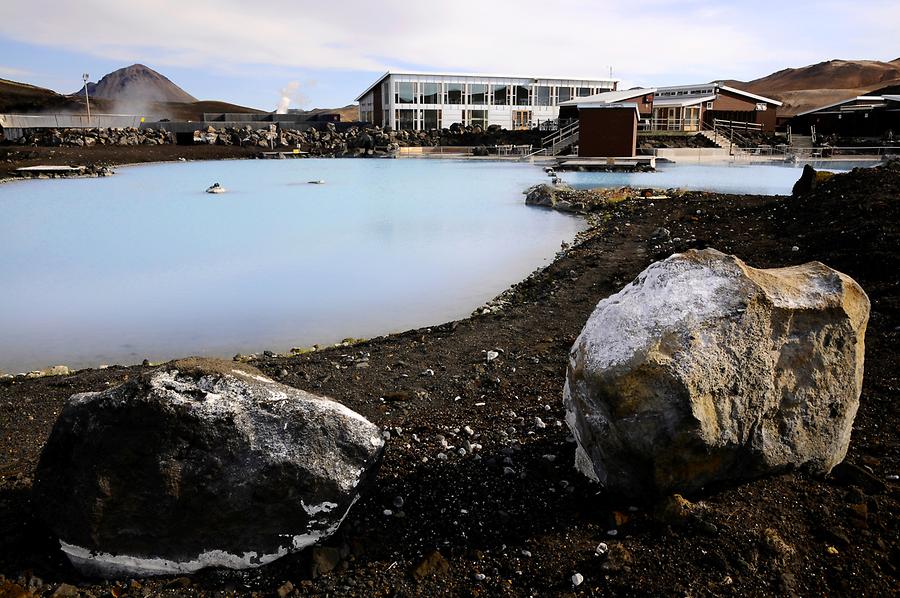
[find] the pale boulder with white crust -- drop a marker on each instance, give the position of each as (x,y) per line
(200,463)
(705,369)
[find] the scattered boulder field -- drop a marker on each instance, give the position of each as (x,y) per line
(759,367)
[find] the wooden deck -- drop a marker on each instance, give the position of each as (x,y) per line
(610,163)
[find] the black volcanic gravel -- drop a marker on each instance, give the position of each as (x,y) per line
(515,518)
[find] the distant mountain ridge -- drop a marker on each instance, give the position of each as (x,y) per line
(137,83)
(816,85)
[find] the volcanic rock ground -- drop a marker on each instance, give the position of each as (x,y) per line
(515,518)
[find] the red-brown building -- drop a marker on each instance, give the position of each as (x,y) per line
(695,107)
(608,122)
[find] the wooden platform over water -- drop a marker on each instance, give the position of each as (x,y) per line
(284,154)
(626,163)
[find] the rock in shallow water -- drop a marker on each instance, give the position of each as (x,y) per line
(200,463)
(705,369)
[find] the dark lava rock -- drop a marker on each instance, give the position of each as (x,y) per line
(199,463)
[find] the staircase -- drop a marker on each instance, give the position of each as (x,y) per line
(557,142)
(725,138)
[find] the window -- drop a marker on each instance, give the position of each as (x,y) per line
(455,93)
(501,95)
(406,93)
(542,96)
(431,119)
(520,95)
(430,93)
(406,120)
(478,94)
(709,105)
(476,118)
(565,94)
(583,92)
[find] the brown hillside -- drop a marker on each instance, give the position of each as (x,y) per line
(834,74)
(810,87)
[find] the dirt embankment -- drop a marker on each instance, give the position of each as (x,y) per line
(13,157)
(466,526)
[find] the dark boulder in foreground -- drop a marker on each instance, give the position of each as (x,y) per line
(706,370)
(199,463)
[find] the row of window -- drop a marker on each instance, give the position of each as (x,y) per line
(424,120)
(686,92)
(484,94)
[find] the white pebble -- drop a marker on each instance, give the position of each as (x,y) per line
(601,549)
(492,355)
(539,423)
(480,576)
(468,430)
(442,456)
(577,579)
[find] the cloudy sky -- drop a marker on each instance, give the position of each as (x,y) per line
(245,52)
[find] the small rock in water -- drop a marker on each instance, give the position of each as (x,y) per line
(539,423)
(602,549)
(577,579)
(492,355)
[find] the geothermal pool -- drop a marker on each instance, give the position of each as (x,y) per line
(146,265)
(756,179)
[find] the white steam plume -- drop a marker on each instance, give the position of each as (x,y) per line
(287,96)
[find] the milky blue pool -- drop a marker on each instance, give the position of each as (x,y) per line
(761,179)
(146,265)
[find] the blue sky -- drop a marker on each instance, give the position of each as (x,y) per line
(246,53)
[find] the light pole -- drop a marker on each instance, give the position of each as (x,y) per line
(87,100)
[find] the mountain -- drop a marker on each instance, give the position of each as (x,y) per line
(824,83)
(137,83)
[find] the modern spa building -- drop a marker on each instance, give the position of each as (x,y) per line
(422,101)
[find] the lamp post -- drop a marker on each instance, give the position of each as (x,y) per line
(87,100)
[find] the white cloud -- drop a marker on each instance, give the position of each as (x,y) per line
(8,71)
(644,42)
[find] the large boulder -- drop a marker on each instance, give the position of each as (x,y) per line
(704,369)
(199,463)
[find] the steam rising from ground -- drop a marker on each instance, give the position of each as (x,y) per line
(288,95)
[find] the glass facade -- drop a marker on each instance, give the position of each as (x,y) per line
(475,101)
(477,118)
(406,119)
(431,119)
(431,93)
(520,95)
(478,94)
(501,95)
(406,93)
(455,93)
